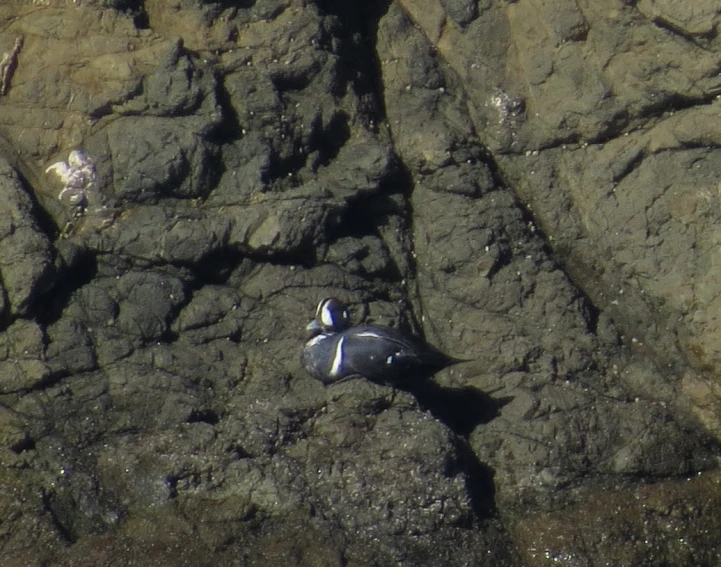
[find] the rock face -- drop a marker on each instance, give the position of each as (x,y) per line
(531,185)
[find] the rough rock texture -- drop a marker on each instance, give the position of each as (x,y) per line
(531,185)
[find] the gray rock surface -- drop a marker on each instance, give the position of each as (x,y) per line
(531,185)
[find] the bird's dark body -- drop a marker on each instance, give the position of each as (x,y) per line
(381,354)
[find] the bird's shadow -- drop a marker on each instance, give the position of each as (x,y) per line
(461,409)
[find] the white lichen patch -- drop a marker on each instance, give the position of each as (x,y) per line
(78,176)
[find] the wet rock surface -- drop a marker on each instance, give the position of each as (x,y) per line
(532,186)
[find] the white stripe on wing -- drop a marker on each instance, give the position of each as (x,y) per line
(337,358)
(370,334)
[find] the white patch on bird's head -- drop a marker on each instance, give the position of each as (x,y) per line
(332,314)
(326,314)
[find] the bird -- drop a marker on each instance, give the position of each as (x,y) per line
(336,351)
(331,316)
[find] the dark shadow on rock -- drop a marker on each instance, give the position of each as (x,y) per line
(216,267)
(361,66)
(136,10)
(238,4)
(230,129)
(461,409)
(479,482)
(80,268)
(59,524)
(207,415)
(329,140)
(78,507)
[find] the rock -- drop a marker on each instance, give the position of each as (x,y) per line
(26,257)
(528,185)
(602,524)
(671,15)
(461,11)
(21,357)
(405,488)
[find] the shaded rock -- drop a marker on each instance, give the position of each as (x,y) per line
(118,314)
(26,257)
(160,234)
(152,160)
(367,256)
(22,365)
(214,312)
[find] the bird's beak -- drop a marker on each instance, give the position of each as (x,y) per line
(314,326)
